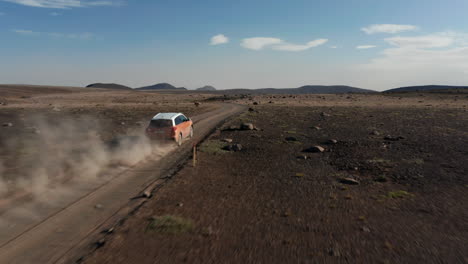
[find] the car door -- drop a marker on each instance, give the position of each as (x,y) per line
(180,125)
(185,125)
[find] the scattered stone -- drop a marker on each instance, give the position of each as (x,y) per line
(323,114)
(332,141)
(180,204)
(291,139)
(316,128)
(208,231)
(139,123)
(197,104)
(147,194)
(286,213)
(100,243)
(349,180)
(108,231)
(98,206)
(375,133)
(233,147)
(299,175)
(270,102)
(255,103)
(247,126)
(122,123)
(334,252)
(251,109)
(390,138)
(315,149)
(381,179)
(35,130)
(388,245)
(365,229)
(7,124)
(227,140)
(304,157)
(233,128)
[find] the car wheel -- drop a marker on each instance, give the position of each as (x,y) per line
(179,141)
(191,132)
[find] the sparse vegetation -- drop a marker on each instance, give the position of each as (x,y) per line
(170,224)
(213,147)
(398,194)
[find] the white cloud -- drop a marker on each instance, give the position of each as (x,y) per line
(435,58)
(24,32)
(428,41)
(366,47)
(65,4)
(259,43)
(295,47)
(219,39)
(333,47)
(388,28)
(55,14)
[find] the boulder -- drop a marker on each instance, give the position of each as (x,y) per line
(247,126)
(233,147)
(349,180)
(390,138)
(315,149)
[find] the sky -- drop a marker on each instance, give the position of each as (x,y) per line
(234,44)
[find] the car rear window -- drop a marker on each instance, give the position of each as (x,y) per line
(161,123)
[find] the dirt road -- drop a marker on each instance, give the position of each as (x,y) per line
(53,238)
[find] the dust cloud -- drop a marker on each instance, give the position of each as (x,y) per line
(68,150)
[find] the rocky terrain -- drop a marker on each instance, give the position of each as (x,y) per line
(322,179)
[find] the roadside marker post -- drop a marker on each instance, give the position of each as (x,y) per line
(194,155)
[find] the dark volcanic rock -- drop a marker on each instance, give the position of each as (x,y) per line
(233,147)
(247,126)
(314,149)
(348,180)
(390,138)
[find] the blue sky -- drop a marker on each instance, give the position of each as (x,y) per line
(230,44)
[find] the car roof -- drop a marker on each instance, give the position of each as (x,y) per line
(170,116)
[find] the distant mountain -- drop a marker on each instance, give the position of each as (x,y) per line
(425,88)
(308,89)
(206,88)
(161,86)
(109,86)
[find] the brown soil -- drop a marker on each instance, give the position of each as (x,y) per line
(265,204)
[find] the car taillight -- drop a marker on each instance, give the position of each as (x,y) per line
(173,132)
